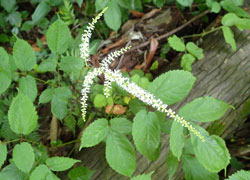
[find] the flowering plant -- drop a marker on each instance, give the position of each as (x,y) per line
(146,128)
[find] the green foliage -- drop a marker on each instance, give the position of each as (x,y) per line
(143,176)
(176,43)
(80,173)
(146,133)
(24,55)
(60,163)
(41,172)
(173,86)
(240,175)
(120,154)
(121,125)
(58,37)
(185,2)
(186,61)
(100,101)
(22,120)
(3,153)
(177,139)
(23,156)
(94,133)
(27,86)
(204,109)
(229,37)
(5,74)
(194,50)
(113,15)
(172,164)
(40,12)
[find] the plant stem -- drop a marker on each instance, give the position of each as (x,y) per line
(203,33)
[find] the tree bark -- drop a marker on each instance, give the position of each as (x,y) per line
(222,74)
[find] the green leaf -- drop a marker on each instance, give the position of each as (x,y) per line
(60,163)
(177,139)
(24,55)
(5,71)
(94,45)
(46,96)
(8,5)
(23,156)
(94,133)
(176,43)
(204,109)
(71,64)
(229,6)
(159,3)
(41,172)
(113,15)
(195,50)
(240,175)
(143,176)
(48,65)
(243,24)
(3,153)
(27,86)
(120,154)
(22,115)
(172,165)
(212,154)
(15,19)
(80,173)
(229,37)
(70,122)
(230,19)
(186,62)
(173,86)
(100,101)
(146,133)
(193,170)
(11,172)
(59,102)
(121,125)
(40,12)
(100,4)
(215,7)
(58,37)
(185,3)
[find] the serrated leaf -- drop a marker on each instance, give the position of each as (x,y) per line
(60,163)
(120,154)
(5,71)
(229,37)
(23,156)
(121,125)
(143,176)
(58,37)
(59,102)
(80,173)
(113,15)
(173,86)
(48,65)
(212,154)
(3,153)
(204,109)
(177,139)
(41,172)
(11,172)
(94,133)
(22,115)
(185,3)
(195,50)
(146,133)
(172,165)
(186,62)
(176,43)
(193,170)
(229,6)
(240,175)
(24,55)
(71,64)
(27,86)
(46,96)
